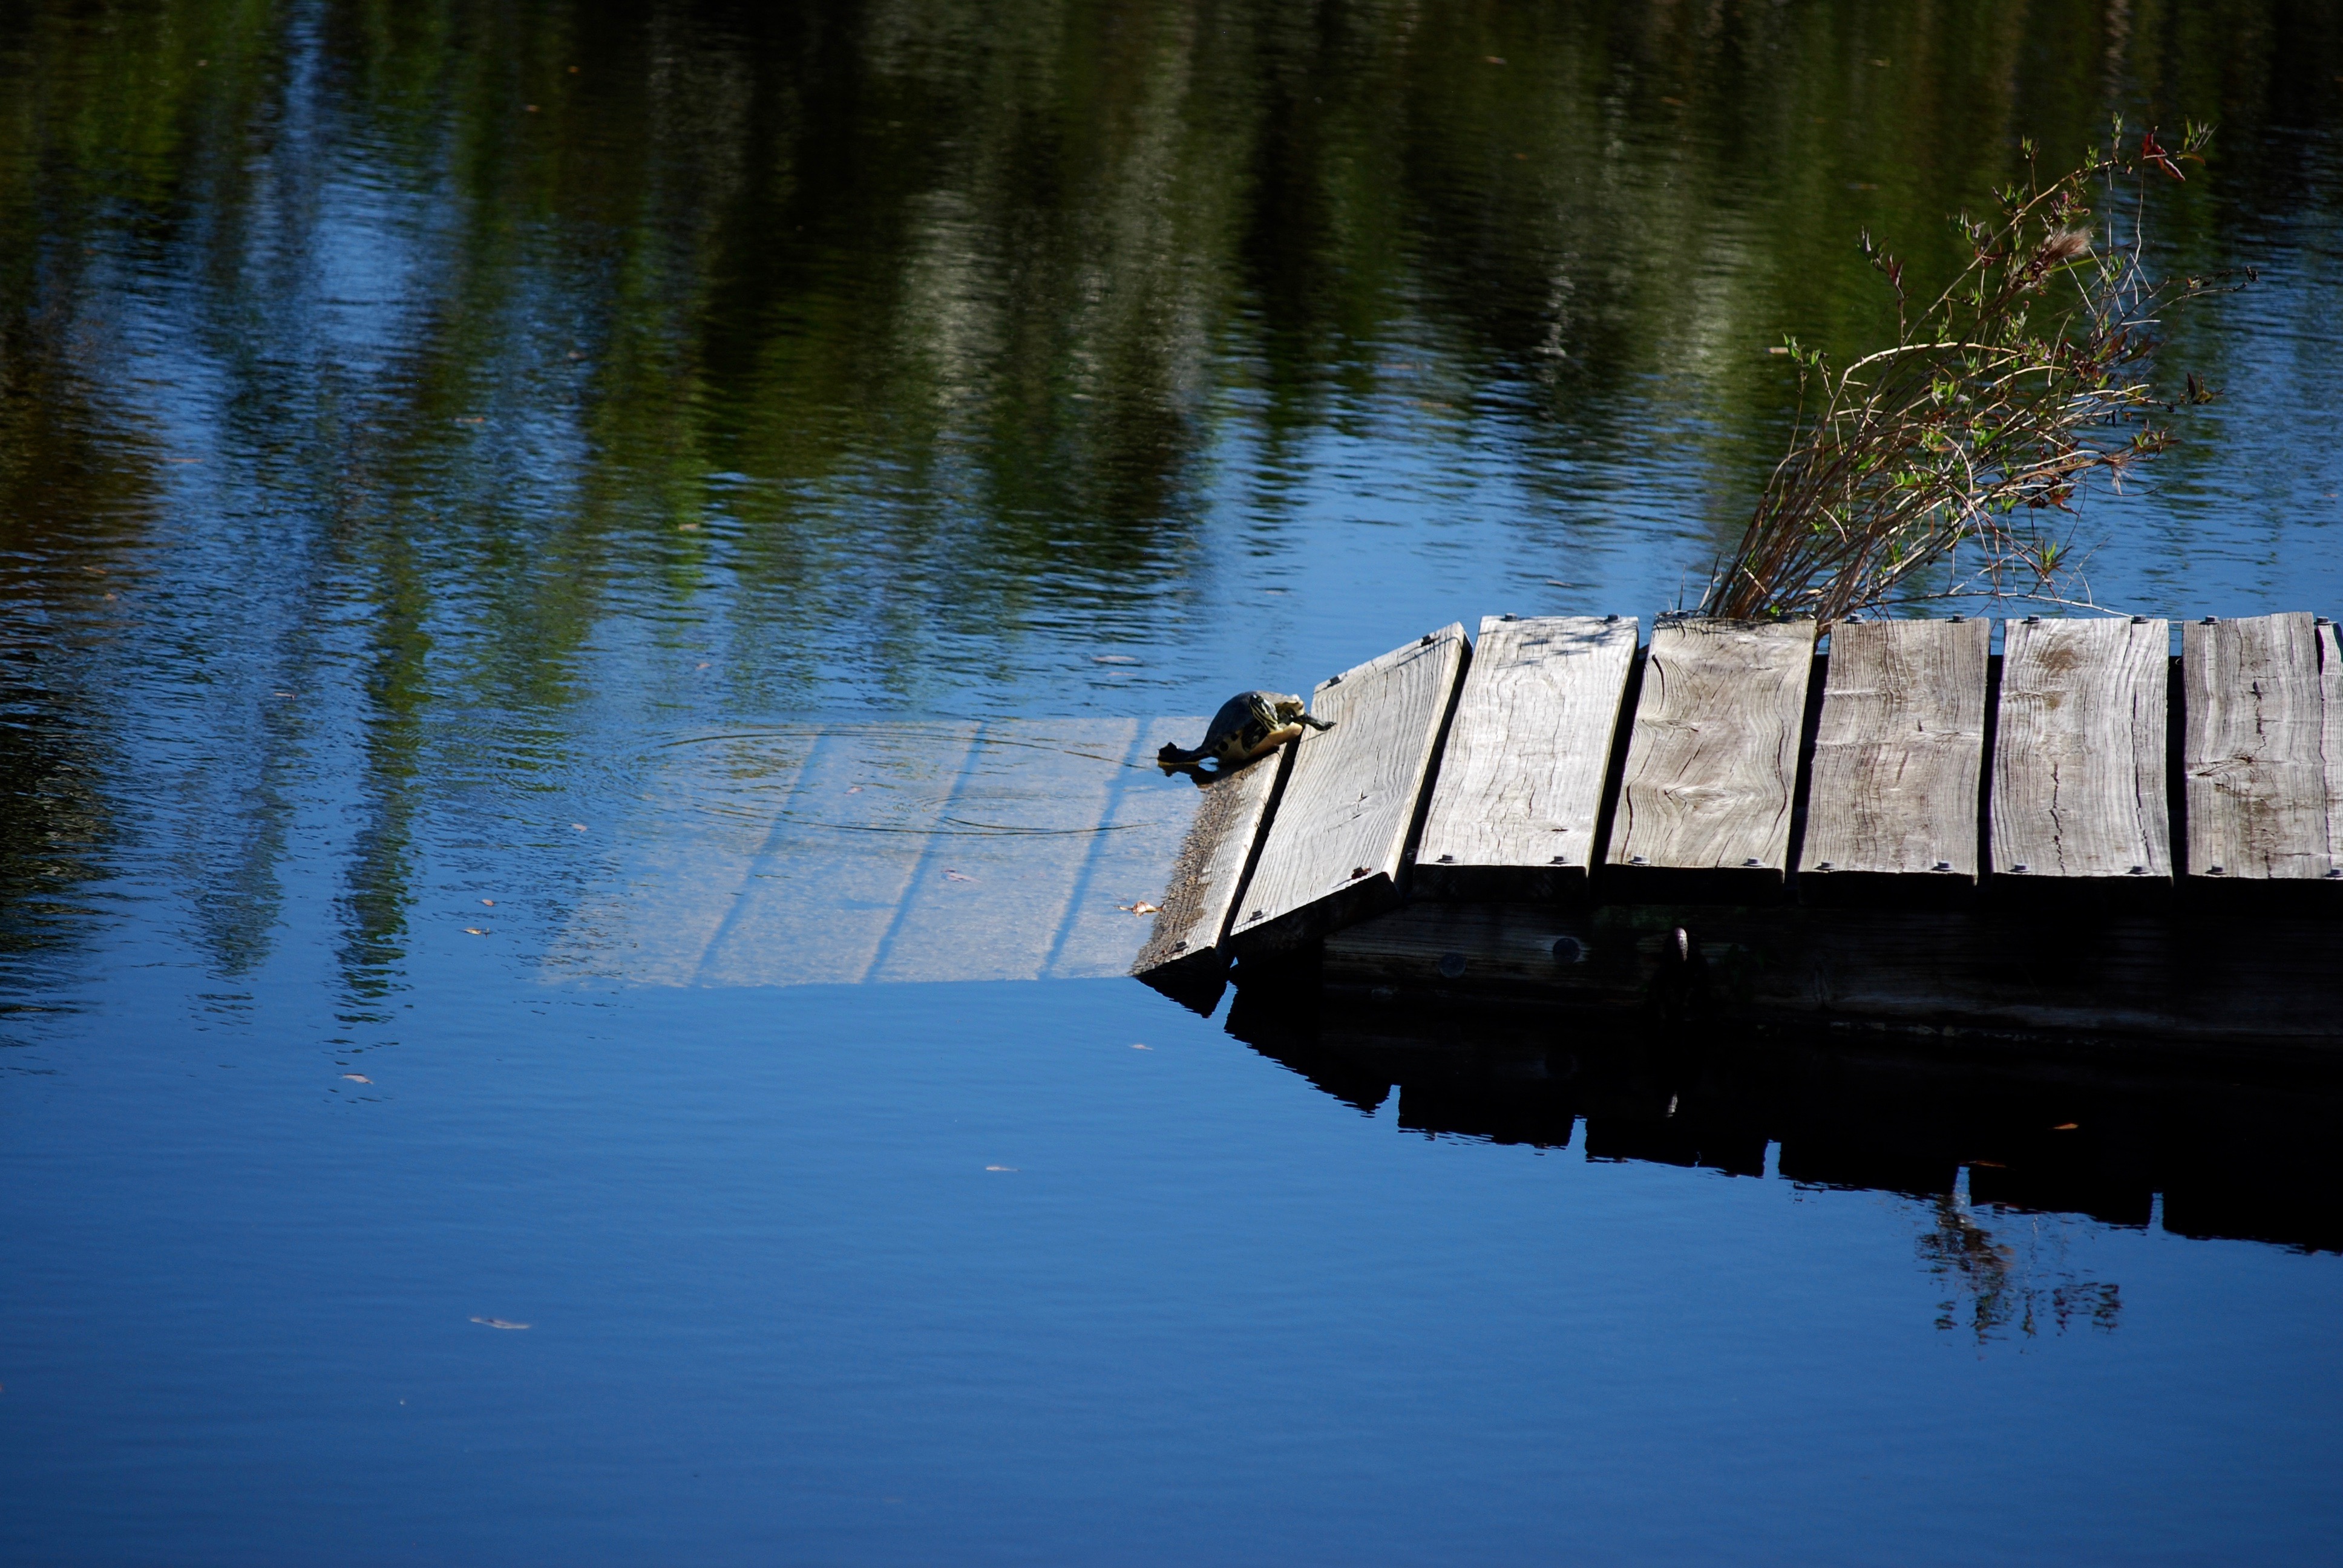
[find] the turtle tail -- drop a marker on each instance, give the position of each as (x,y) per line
(1316,723)
(1171,759)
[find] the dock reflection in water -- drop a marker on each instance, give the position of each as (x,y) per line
(887,850)
(1991,1150)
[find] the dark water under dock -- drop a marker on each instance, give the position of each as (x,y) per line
(540,543)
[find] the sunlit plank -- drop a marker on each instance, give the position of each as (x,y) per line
(891,852)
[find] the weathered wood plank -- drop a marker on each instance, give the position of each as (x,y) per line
(688,863)
(2330,682)
(854,826)
(1333,851)
(1513,813)
(1899,758)
(2251,756)
(888,850)
(1130,865)
(2106,973)
(997,881)
(1185,958)
(2079,752)
(1713,759)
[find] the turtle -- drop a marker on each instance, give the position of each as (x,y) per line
(1248,725)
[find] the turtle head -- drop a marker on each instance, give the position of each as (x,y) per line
(1294,710)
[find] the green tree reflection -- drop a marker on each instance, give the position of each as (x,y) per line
(864,336)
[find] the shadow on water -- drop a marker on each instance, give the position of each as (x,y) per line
(1980,1146)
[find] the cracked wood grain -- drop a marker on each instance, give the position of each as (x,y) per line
(1712,758)
(1185,955)
(2079,751)
(1515,811)
(1335,846)
(2252,754)
(1899,754)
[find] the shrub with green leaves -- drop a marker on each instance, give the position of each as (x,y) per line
(1948,466)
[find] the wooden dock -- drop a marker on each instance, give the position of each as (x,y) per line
(1882,822)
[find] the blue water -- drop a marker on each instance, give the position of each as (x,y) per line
(782,1306)
(409,447)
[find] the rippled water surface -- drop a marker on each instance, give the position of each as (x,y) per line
(524,528)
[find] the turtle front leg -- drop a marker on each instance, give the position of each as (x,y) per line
(1261,746)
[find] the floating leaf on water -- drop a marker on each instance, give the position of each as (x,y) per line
(2066,1127)
(1140,907)
(358,1078)
(579,826)
(474,931)
(954,876)
(1135,1046)
(1113,658)
(491,902)
(1010,1168)
(499,1323)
